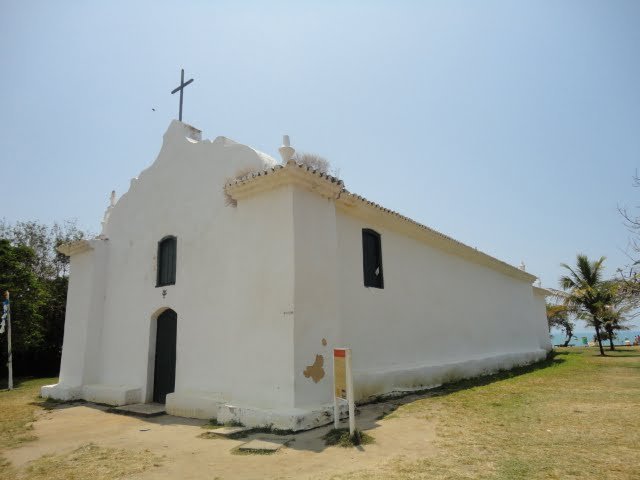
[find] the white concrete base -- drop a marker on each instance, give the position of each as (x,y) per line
(144,410)
(112,394)
(370,385)
(294,419)
(62,392)
(269,445)
(194,404)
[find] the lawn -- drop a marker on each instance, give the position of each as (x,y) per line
(18,410)
(574,416)
(577,415)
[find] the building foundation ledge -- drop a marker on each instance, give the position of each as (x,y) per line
(115,395)
(371,385)
(195,404)
(294,419)
(59,391)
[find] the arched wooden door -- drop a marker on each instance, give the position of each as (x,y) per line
(164,374)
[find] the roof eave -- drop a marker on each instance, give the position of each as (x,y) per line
(330,187)
(290,174)
(361,207)
(73,248)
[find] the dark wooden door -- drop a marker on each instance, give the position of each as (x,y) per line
(164,376)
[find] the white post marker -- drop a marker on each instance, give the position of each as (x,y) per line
(343,386)
(6,308)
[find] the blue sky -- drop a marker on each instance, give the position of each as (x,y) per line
(511,126)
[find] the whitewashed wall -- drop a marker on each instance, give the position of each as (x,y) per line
(234,283)
(266,290)
(316,295)
(84,317)
(436,310)
(262,316)
(539,317)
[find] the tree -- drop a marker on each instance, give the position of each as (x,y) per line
(558,317)
(17,275)
(587,293)
(43,240)
(629,276)
(614,317)
(36,275)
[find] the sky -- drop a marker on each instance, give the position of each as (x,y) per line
(513,127)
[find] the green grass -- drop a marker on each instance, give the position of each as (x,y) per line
(340,436)
(213,424)
(251,451)
(573,416)
(18,410)
(90,461)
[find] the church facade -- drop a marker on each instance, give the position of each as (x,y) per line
(222,280)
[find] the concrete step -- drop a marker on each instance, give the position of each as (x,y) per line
(144,410)
(228,432)
(267,445)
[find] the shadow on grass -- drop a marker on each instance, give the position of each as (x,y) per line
(553,359)
(51,404)
(622,352)
(369,416)
(371,413)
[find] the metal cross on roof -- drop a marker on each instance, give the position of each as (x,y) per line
(180,89)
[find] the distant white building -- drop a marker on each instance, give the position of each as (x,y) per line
(224,296)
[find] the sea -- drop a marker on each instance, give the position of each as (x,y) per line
(559,338)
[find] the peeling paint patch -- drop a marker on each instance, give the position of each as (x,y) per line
(315,371)
(324,342)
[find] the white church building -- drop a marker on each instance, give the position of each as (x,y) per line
(223,294)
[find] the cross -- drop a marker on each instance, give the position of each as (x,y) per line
(180,89)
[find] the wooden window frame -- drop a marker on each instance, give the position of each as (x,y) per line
(172,281)
(379,282)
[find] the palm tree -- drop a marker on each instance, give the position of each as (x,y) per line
(587,293)
(614,317)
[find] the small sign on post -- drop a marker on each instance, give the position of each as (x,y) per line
(6,317)
(343,386)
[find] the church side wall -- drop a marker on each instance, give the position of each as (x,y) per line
(317,326)
(540,311)
(262,323)
(83,317)
(436,309)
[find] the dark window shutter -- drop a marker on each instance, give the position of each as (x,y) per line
(167,261)
(372,259)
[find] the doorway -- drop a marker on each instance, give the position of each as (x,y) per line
(164,374)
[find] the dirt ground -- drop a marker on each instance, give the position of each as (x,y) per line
(186,455)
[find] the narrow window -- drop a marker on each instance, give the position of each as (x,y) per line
(166,261)
(372,259)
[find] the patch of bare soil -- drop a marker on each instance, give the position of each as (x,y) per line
(171,447)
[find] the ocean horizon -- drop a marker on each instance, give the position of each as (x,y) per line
(576,340)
